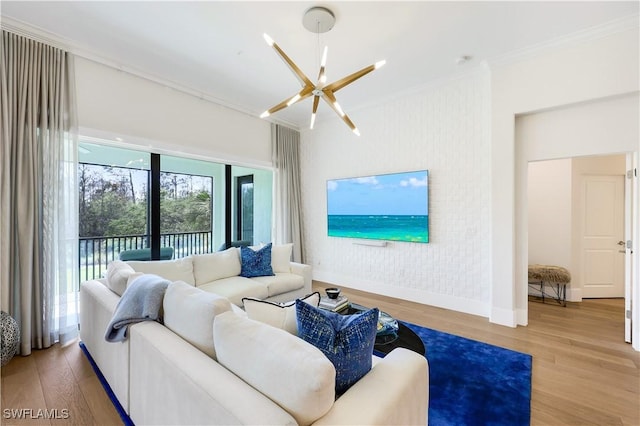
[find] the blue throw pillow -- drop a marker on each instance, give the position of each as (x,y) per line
(347,340)
(256,263)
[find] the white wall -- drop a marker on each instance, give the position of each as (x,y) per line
(464,132)
(114,103)
(550,212)
(444,130)
(582,72)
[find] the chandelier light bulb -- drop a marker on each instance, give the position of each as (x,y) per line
(265,114)
(293,100)
(324,57)
(339,109)
(313,120)
(356,131)
(379,64)
(268,39)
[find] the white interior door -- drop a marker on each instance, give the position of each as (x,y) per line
(603,247)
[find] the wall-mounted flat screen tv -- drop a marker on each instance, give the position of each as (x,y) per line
(391,207)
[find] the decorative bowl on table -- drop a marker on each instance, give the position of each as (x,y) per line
(333,292)
(387,325)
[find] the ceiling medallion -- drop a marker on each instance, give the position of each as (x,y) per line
(318,20)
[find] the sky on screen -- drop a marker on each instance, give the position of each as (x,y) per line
(391,194)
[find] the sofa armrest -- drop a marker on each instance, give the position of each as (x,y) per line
(304,271)
(394,392)
(97,305)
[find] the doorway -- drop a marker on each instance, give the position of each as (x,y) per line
(576,219)
(602,127)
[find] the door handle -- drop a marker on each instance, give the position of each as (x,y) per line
(621,243)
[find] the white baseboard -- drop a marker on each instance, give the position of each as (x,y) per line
(522,317)
(459,304)
(506,317)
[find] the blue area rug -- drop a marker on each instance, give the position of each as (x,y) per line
(112,396)
(473,383)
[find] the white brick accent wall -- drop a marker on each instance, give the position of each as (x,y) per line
(444,129)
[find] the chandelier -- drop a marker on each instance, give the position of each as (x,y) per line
(318,20)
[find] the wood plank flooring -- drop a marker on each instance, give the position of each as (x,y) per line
(59,380)
(583,372)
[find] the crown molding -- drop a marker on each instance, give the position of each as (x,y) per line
(483,67)
(573,39)
(43,36)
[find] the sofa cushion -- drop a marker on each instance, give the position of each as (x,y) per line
(280,283)
(281,257)
(235,288)
(280,315)
(291,372)
(118,274)
(172,270)
(189,312)
(256,263)
(347,340)
(214,266)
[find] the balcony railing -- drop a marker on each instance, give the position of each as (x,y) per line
(96,252)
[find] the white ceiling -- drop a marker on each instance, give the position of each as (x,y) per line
(216,49)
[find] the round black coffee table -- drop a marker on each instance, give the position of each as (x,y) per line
(404,338)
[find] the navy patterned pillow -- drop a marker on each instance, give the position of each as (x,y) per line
(347,340)
(256,263)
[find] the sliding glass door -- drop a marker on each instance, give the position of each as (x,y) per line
(163,206)
(190,217)
(113,198)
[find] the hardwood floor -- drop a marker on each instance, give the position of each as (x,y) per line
(59,380)
(583,372)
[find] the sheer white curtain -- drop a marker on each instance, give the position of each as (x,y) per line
(38,190)
(285,145)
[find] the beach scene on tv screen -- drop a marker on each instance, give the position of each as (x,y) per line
(391,207)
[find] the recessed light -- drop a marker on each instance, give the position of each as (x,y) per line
(462,59)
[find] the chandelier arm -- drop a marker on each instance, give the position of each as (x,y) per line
(316,101)
(333,103)
(321,74)
(322,78)
(304,80)
(301,95)
(339,84)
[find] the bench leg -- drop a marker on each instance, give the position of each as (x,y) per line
(558,292)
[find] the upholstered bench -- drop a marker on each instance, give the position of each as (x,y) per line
(556,277)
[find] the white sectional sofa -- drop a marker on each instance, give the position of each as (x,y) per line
(210,364)
(219,273)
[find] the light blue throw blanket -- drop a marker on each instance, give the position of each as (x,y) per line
(141,301)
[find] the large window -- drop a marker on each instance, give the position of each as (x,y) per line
(113,205)
(187,202)
(112,200)
(181,210)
